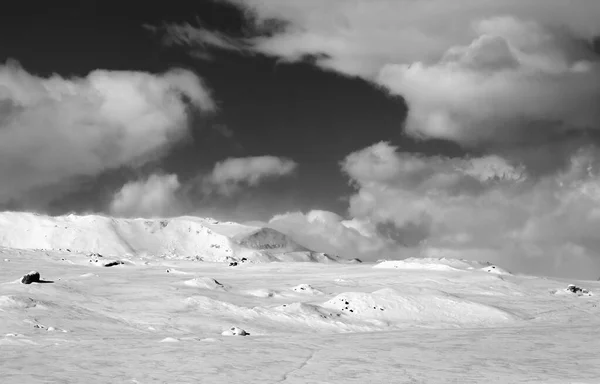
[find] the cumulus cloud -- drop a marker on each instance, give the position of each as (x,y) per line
(55,129)
(517,82)
(155,196)
(512,83)
(360,36)
(327,232)
(483,208)
(162,195)
(228,175)
(476,72)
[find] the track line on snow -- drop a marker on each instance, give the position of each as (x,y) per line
(302,366)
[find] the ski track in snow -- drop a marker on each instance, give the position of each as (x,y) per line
(411,322)
(306,361)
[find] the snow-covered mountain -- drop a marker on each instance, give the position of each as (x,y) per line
(178,238)
(140,320)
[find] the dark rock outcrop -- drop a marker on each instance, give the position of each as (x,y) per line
(578,290)
(31,277)
(113,263)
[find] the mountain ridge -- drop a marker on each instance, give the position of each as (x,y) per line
(185,237)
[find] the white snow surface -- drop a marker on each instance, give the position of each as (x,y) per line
(433,264)
(178,238)
(169,320)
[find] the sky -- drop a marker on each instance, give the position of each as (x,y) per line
(367,128)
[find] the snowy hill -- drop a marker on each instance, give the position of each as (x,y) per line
(268,238)
(179,238)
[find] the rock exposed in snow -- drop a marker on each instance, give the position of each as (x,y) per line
(31,277)
(495,270)
(578,290)
(235,331)
(113,263)
(176,272)
(306,288)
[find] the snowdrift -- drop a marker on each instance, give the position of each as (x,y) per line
(205,283)
(438,264)
(425,307)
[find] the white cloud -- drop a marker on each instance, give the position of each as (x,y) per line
(155,196)
(511,79)
(164,195)
(361,36)
(327,232)
(484,208)
(55,129)
(228,175)
(471,71)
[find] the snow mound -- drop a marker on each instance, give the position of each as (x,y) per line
(425,307)
(304,312)
(572,289)
(217,306)
(263,293)
(169,340)
(206,283)
(432,264)
(306,289)
(235,331)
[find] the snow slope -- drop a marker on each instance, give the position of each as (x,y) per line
(182,238)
